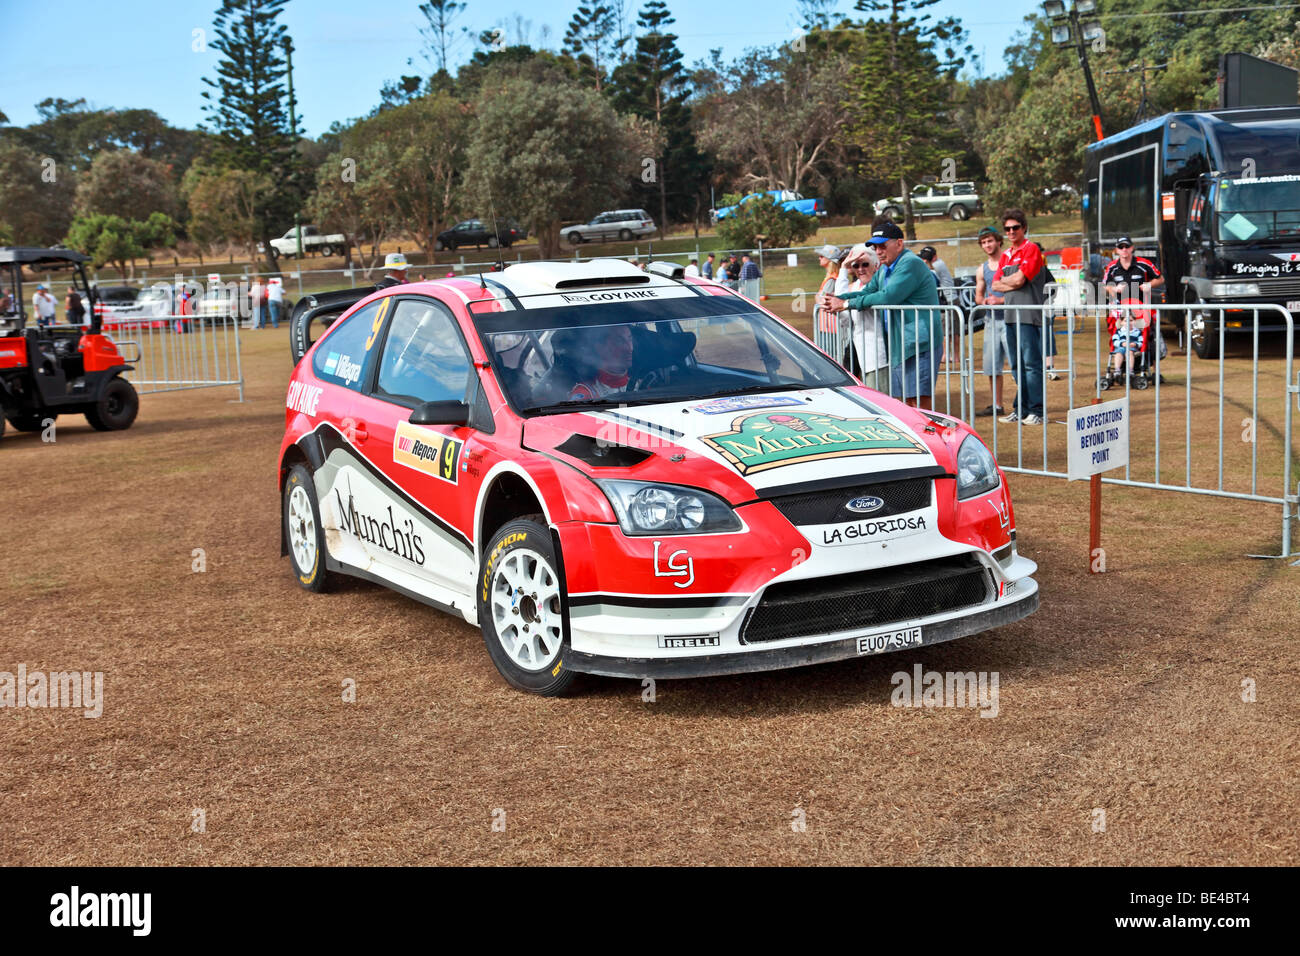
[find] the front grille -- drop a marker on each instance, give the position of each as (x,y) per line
(1277,287)
(828,507)
(867,599)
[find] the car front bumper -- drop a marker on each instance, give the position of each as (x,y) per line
(811,650)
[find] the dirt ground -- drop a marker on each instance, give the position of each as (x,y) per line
(223,693)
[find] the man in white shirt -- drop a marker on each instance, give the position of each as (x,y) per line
(275,301)
(693,270)
(46,306)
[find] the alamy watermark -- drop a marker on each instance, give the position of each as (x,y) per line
(82,690)
(947,689)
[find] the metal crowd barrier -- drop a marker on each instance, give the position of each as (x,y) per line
(178,352)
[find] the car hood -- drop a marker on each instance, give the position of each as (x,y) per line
(743,445)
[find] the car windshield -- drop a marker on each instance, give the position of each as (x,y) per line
(1253,209)
(556,358)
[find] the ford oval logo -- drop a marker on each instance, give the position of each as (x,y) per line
(866,504)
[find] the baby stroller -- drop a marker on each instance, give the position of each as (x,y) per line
(1130,328)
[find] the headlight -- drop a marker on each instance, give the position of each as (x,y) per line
(977,472)
(1235,288)
(645,508)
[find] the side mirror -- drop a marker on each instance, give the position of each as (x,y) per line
(440,413)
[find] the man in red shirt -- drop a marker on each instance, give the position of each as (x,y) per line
(1020,282)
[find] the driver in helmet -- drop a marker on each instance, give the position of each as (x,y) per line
(611,354)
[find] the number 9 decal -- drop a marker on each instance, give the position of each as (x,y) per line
(377,322)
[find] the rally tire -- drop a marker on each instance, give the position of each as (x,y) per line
(29,423)
(303,534)
(116,408)
(521,608)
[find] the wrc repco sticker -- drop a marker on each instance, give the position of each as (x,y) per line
(427,451)
(500,546)
(758,442)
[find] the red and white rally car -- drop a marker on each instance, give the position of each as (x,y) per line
(623,473)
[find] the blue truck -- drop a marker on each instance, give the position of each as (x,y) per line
(788,199)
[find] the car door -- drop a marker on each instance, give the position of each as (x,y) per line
(424,359)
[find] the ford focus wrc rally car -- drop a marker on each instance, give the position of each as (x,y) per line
(622,473)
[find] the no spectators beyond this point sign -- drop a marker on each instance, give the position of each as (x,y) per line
(1098,438)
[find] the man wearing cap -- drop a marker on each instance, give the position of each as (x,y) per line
(395,266)
(46,306)
(1129,276)
(915,336)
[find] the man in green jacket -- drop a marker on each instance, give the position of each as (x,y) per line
(915,335)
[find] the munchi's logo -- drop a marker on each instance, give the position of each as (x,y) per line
(759,442)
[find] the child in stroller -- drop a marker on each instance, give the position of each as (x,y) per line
(1129,325)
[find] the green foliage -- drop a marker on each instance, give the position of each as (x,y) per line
(35,197)
(545,151)
(761,216)
(125,183)
(1040,145)
(224,204)
(107,239)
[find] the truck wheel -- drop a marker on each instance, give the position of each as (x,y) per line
(520,609)
(1204,334)
(117,406)
(326,251)
(30,423)
(892,212)
(625,234)
(302,531)
(959,212)
(575,238)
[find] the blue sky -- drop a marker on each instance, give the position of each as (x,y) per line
(134,53)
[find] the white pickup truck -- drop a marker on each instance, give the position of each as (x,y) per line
(312,241)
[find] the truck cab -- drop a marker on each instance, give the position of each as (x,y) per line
(1214,198)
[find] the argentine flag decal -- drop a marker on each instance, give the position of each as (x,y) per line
(331,363)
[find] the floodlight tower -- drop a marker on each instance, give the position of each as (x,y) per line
(1066,28)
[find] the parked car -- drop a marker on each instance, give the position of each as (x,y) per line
(477,233)
(151,306)
(788,198)
(313,240)
(954,200)
(621,224)
(757,509)
(112,301)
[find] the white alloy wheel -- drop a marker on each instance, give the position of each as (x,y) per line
(302,530)
(525,602)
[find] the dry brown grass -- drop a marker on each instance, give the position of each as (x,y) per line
(223,692)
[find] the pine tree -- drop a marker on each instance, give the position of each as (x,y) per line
(653,85)
(590,38)
(438,32)
(248,113)
(903,92)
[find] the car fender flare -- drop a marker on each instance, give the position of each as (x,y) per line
(486,485)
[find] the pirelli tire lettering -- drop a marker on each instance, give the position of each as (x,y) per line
(495,555)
